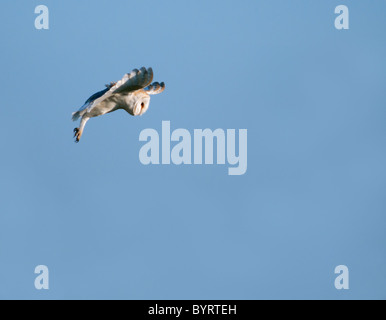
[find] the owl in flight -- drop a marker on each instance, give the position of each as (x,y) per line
(132,94)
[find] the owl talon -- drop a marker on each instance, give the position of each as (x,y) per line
(77,134)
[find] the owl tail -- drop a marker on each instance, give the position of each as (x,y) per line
(78,114)
(75,116)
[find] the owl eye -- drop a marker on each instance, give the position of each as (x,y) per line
(142,105)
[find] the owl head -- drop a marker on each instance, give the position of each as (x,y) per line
(142,97)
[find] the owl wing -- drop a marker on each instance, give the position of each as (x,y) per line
(89,104)
(155,88)
(135,80)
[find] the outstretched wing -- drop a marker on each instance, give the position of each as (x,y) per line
(88,103)
(96,96)
(155,88)
(135,80)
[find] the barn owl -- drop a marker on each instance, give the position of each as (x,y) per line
(131,93)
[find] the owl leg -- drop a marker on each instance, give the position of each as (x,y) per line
(79,131)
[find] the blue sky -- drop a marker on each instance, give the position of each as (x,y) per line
(311,97)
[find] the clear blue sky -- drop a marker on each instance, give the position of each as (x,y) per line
(312,98)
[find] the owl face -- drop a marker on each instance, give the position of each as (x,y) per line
(137,103)
(141,104)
